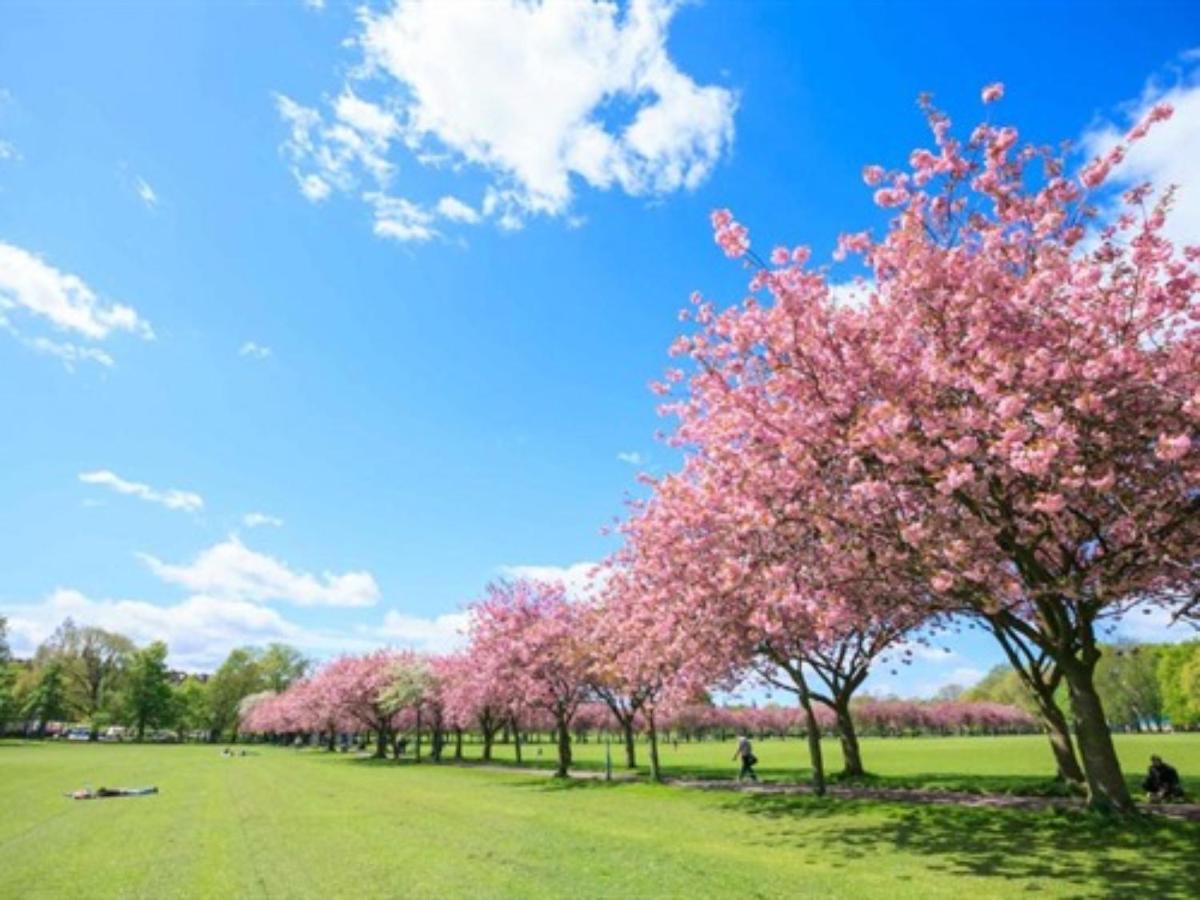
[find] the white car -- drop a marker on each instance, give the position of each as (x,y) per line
(79,734)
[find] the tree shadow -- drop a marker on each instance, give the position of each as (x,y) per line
(1122,858)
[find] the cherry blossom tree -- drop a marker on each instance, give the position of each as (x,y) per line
(357,686)
(1005,422)
(531,636)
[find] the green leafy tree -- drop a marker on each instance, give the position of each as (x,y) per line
(148,693)
(47,702)
(8,678)
(1178,672)
(190,700)
(1127,679)
(94,663)
(281,665)
(238,677)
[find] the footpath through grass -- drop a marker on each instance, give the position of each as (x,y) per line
(283,823)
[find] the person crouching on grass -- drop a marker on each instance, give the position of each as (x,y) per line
(1162,781)
(746,753)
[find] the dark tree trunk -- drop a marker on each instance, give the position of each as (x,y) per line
(1106,787)
(458,743)
(564,748)
(852,766)
(516,732)
(655,770)
(1059,733)
(814,736)
(1041,677)
(630,746)
(381,744)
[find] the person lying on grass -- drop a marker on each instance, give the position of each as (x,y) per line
(89,794)
(1162,781)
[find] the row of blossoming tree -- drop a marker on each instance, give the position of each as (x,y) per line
(998,424)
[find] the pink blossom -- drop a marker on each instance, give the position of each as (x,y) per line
(993,92)
(1051,504)
(1172,447)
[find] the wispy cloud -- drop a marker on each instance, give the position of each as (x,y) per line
(254,350)
(257,520)
(187,501)
(631,457)
(145,192)
(33,292)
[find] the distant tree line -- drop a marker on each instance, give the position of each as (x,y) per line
(1144,687)
(89,677)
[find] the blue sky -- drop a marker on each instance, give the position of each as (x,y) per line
(394,282)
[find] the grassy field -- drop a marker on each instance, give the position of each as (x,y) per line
(1019,764)
(284,823)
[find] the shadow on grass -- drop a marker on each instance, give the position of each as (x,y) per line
(1116,858)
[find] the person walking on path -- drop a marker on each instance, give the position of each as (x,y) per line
(745,752)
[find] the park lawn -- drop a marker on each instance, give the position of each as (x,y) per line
(1019,764)
(312,824)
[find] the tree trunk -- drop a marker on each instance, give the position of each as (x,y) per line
(332,739)
(487,744)
(630,747)
(852,766)
(381,745)
(655,770)
(458,743)
(517,743)
(418,740)
(1031,668)
(564,749)
(814,737)
(1059,733)
(1106,787)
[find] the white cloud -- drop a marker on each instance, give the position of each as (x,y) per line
(257,519)
(436,635)
(1151,624)
(455,210)
(145,192)
(538,96)
(69,353)
(254,351)
(231,570)
(8,152)
(1166,156)
(32,287)
(400,219)
(188,501)
(581,579)
(199,631)
(314,4)
(632,457)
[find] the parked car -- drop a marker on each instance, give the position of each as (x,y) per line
(79,733)
(112,734)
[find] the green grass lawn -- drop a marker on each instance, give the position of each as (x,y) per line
(1018,764)
(284,823)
